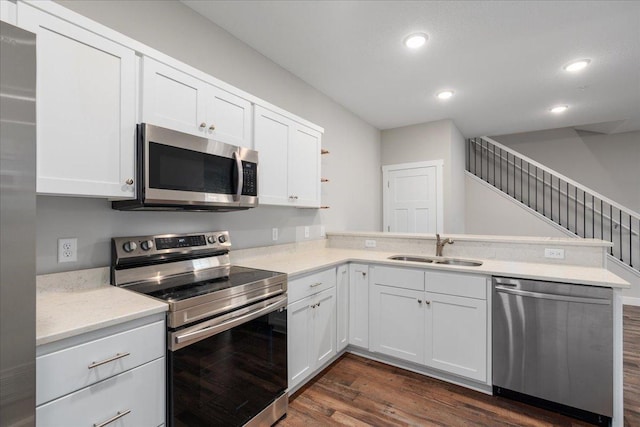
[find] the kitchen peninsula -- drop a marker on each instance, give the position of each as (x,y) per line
(338,299)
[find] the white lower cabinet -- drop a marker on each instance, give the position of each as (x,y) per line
(311,324)
(443,327)
(456,335)
(359,305)
(134,398)
(457,324)
(110,376)
(342,307)
(397,322)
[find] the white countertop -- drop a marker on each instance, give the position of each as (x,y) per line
(65,309)
(73,303)
(304,261)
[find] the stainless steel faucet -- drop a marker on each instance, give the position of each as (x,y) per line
(440,244)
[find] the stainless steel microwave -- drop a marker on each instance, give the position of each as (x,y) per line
(177,171)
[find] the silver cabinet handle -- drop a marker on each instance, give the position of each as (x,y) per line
(313,285)
(212,128)
(129,181)
(111,359)
(240,183)
(114,418)
(203,125)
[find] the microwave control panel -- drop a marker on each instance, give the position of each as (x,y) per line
(249,179)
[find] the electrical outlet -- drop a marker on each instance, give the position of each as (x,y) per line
(369,243)
(554,253)
(306,232)
(274,234)
(68,250)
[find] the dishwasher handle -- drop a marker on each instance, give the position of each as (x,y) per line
(555,297)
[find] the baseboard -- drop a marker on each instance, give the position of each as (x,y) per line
(631,301)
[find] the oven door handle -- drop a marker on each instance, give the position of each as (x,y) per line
(178,340)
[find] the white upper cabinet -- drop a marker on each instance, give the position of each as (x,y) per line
(304,166)
(289,165)
(176,100)
(86,87)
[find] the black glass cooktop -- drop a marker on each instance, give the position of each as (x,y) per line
(238,276)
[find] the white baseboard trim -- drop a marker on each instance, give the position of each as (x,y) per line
(631,301)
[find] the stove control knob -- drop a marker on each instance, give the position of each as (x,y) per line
(129,246)
(222,238)
(211,239)
(146,245)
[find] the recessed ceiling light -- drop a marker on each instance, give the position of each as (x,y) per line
(559,109)
(577,65)
(416,40)
(445,94)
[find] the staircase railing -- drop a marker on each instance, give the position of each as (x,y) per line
(564,201)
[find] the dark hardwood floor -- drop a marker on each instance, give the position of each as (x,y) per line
(355,391)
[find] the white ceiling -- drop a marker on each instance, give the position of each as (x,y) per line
(503,59)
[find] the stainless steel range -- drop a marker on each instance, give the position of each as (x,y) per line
(227,327)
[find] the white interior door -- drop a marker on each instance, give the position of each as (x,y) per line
(413,197)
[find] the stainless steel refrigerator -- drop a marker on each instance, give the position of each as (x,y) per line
(17,226)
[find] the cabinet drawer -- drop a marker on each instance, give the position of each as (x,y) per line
(140,390)
(67,370)
(397,277)
(464,285)
(311,284)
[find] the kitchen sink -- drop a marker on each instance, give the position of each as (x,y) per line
(445,261)
(410,258)
(462,262)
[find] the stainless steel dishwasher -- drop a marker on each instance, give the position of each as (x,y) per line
(553,346)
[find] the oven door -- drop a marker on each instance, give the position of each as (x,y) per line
(227,370)
(185,169)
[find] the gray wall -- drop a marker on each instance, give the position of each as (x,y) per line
(433,141)
(353,193)
(490,212)
(607,164)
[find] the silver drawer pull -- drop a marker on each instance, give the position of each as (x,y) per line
(313,285)
(114,418)
(111,359)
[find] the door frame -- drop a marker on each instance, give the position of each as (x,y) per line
(438,164)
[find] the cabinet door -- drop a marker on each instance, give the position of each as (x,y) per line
(229,118)
(271,138)
(304,167)
(397,322)
(173,99)
(359,305)
(456,335)
(86,109)
(299,340)
(342,307)
(324,326)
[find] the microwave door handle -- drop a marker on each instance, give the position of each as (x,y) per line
(240,182)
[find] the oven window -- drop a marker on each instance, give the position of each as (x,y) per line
(172,168)
(227,379)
